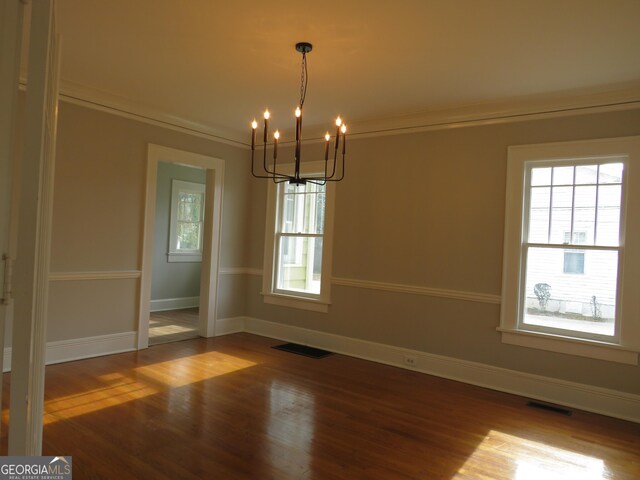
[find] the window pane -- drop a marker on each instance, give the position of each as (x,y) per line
(562,175)
(562,198)
(611,173)
(189,207)
(300,265)
(584,214)
(583,300)
(188,236)
(290,188)
(541,176)
(586,174)
(608,226)
(303,212)
(539,214)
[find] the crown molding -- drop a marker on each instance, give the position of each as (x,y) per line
(515,110)
(96,99)
(533,107)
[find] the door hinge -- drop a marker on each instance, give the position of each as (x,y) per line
(8,274)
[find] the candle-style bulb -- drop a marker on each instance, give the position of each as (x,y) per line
(266,114)
(298,112)
(338,122)
(254,124)
(326,147)
(276,135)
(343,129)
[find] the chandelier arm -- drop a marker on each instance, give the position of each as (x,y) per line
(264,164)
(281,180)
(271,174)
(333,171)
(331,179)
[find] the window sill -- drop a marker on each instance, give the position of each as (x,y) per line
(184,257)
(571,346)
(292,301)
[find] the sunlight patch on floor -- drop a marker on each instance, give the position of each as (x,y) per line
(118,389)
(532,460)
(141,382)
(196,368)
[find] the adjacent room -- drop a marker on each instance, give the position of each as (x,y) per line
(341,240)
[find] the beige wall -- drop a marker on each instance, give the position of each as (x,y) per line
(421,209)
(427,209)
(98,218)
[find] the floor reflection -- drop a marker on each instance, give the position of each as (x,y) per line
(290,428)
(534,460)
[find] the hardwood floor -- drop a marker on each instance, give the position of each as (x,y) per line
(233,408)
(173,325)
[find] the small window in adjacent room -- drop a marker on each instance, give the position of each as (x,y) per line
(571,248)
(187,220)
(298,245)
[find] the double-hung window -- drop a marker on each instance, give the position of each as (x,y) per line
(298,245)
(187,220)
(572,252)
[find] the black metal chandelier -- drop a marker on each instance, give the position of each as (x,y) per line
(271,171)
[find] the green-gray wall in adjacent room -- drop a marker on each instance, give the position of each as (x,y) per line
(172,280)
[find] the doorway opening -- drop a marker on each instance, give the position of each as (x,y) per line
(178,292)
(178,238)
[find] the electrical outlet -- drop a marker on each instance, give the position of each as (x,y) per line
(409,361)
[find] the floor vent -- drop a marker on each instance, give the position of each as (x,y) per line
(303,350)
(550,408)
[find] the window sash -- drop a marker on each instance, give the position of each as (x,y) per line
(277,265)
(193,189)
(281,233)
(573,162)
(521,325)
(571,244)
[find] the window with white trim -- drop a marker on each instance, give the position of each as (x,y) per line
(298,245)
(187,220)
(571,257)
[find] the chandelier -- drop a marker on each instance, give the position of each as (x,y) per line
(271,171)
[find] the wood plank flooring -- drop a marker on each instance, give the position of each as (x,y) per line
(233,408)
(173,325)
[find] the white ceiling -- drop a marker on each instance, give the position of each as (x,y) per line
(216,64)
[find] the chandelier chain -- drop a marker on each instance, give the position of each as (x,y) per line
(304,79)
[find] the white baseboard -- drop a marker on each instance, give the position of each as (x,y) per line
(576,395)
(163,304)
(226,326)
(79,348)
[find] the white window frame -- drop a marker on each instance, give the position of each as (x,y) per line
(271,294)
(625,345)
(182,255)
